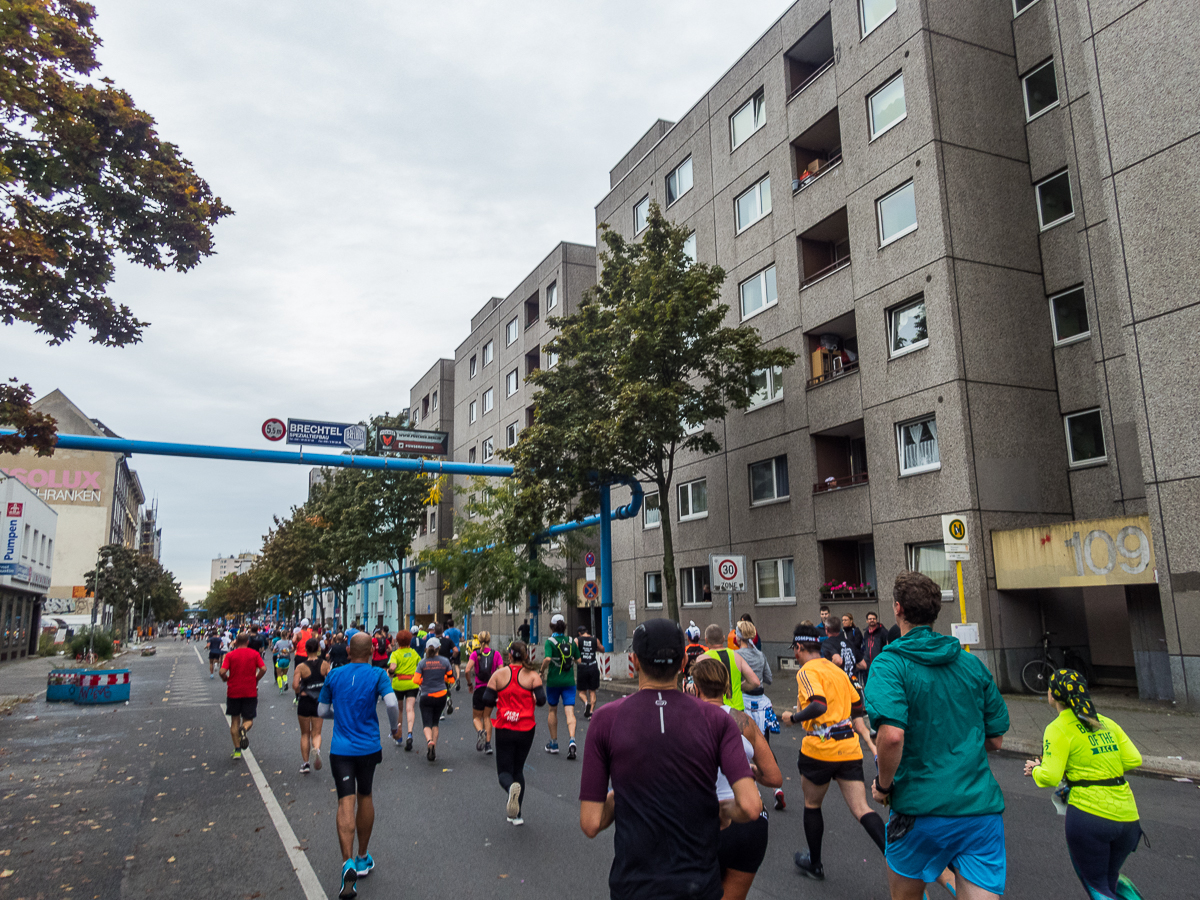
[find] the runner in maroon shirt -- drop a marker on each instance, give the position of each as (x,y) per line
(241,670)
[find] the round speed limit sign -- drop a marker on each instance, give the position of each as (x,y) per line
(728,570)
(274,430)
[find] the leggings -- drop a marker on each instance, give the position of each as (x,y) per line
(512,747)
(431,709)
(1098,849)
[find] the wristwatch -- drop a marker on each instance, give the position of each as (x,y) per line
(884,790)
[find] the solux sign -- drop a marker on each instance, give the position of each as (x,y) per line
(426,443)
(326,434)
(62,485)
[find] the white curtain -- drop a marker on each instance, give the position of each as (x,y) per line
(920,444)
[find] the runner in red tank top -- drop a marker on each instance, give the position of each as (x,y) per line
(513,692)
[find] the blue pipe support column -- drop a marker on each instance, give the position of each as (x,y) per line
(533,604)
(412,597)
(606,600)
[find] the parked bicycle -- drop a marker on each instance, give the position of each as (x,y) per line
(1037,672)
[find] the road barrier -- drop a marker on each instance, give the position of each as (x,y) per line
(88,687)
(62,685)
(605,662)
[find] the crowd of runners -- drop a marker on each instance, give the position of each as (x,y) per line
(692,744)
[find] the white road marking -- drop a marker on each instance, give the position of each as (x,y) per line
(300,864)
(198,656)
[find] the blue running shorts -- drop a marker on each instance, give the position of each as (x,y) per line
(972,845)
(567,694)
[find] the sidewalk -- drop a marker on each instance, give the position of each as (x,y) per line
(25,679)
(1168,739)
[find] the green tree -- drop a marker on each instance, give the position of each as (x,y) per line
(84,177)
(234,595)
(129,580)
(291,561)
(646,353)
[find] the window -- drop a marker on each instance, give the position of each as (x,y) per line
(693,583)
(512,331)
(641,215)
(551,360)
(651,514)
(918,446)
(930,559)
(510,435)
(874,12)
(654,590)
(1019,6)
(1068,317)
(1085,438)
(689,246)
(471,511)
(432,530)
(1054,200)
(435,401)
(679,181)
(758,292)
(751,116)
(472,412)
(897,214)
(908,328)
(768,386)
(474,366)
(693,500)
(489,400)
(754,204)
(1041,90)
(690,428)
(775,580)
(510,383)
(887,106)
(489,350)
(552,296)
(471,455)
(769,480)
(489,449)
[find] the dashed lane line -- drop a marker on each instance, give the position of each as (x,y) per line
(303,868)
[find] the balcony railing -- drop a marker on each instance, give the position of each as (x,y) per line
(837,371)
(799,184)
(817,73)
(833,483)
(825,272)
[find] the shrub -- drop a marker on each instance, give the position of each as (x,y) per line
(46,645)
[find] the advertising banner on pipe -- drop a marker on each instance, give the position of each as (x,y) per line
(426,443)
(326,434)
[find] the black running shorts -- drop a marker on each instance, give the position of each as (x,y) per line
(587,678)
(822,771)
(742,846)
(431,710)
(405,694)
(245,707)
(477,699)
(307,707)
(354,774)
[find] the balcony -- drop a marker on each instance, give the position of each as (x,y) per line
(824,248)
(533,361)
(810,57)
(833,349)
(532,310)
(841,457)
(817,151)
(849,569)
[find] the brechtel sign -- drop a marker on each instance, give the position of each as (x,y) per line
(326,434)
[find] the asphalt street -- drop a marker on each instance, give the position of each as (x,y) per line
(143,800)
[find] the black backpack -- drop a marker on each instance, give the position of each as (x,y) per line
(485,665)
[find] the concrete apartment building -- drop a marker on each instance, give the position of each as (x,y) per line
(223,566)
(954,213)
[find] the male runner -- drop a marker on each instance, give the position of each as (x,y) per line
(560,653)
(348,697)
(455,637)
(257,642)
(830,708)
(241,670)
(587,678)
(214,652)
(739,670)
(694,648)
(283,659)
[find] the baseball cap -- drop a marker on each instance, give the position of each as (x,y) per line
(556,618)
(659,641)
(693,631)
(433,642)
(304,623)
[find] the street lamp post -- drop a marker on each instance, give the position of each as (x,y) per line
(95,602)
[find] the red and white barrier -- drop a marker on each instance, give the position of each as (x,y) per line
(97,679)
(605,662)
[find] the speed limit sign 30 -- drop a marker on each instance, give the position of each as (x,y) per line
(727,573)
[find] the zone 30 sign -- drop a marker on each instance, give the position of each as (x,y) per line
(728,573)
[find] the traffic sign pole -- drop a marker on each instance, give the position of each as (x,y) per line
(606,600)
(962,598)
(533,603)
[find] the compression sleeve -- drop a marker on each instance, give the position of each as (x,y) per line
(393,711)
(325,711)
(539,694)
(816,708)
(489,698)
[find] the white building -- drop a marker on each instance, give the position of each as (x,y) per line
(228,565)
(26,556)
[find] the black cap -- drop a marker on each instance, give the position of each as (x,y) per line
(659,641)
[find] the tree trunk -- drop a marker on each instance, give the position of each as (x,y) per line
(669,583)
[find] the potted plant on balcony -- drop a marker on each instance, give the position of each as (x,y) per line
(845,590)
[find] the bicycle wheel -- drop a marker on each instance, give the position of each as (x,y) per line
(1036,676)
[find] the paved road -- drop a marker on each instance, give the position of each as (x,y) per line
(143,800)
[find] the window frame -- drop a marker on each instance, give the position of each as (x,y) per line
(904,232)
(910,553)
(899,76)
(1075,338)
(489,448)
(551,359)
(646,523)
(928,467)
(1072,463)
(759,95)
(691,505)
(474,366)
(739,228)
(784,599)
(657,573)
(1017,12)
(1029,117)
(472,412)
(1037,193)
(694,604)
(774,388)
(646,223)
(891,328)
(512,383)
(551,296)
(434,401)
(776,496)
(767,304)
(510,434)
(489,352)
(489,401)
(674,173)
(693,256)
(471,455)
(512,331)
(862,19)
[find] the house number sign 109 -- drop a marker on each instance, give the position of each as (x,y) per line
(1075,554)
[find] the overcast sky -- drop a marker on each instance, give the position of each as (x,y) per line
(392,165)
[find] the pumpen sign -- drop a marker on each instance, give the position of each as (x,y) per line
(12,534)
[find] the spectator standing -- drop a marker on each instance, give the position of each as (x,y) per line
(853,634)
(875,638)
(837,648)
(823,629)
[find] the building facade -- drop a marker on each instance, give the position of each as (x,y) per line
(431,408)
(231,565)
(26,566)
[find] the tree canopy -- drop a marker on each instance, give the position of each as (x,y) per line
(128,579)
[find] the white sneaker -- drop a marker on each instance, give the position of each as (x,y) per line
(513,809)
(316,758)
(516,820)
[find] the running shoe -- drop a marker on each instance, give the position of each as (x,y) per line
(479,741)
(237,754)
(449,705)
(487,748)
(516,820)
(349,876)
(316,759)
(780,803)
(513,809)
(571,750)
(551,746)
(458,686)
(364,865)
(431,753)
(305,768)
(245,741)
(408,742)
(210,675)
(587,711)
(805,864)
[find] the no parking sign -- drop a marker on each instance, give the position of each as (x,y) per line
(728,573)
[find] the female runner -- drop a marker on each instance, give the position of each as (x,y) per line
(307,681)
(512,692)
